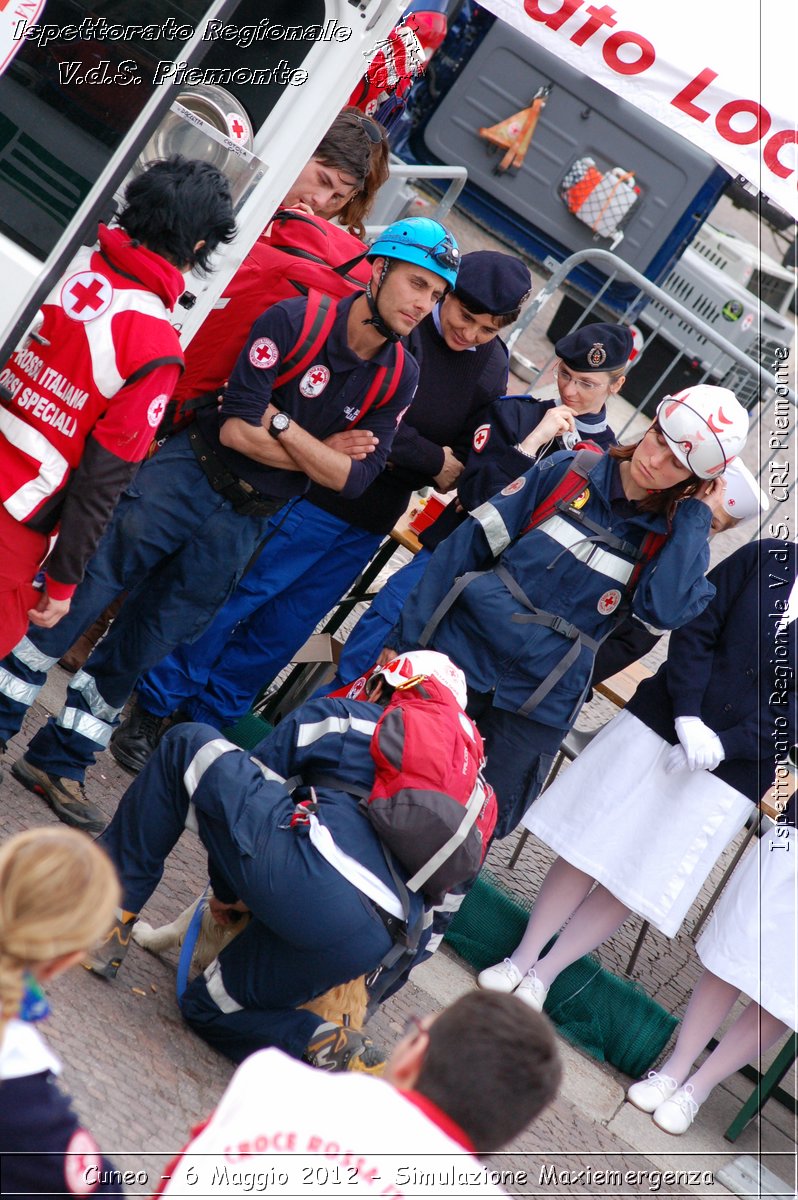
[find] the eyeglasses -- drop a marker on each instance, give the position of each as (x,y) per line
(370,129)
(415,1025)
(444,253)
(582,385)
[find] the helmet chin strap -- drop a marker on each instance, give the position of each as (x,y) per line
(383,329)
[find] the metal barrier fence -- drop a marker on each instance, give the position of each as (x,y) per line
(762,384)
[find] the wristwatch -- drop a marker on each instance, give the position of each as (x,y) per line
(279,423)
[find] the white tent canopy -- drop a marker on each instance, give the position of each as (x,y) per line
(722,75)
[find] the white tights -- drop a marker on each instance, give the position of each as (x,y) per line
(749,1037)
(593,918)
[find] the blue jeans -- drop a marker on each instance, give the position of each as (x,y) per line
(368,637)
(178,548)
(302,571)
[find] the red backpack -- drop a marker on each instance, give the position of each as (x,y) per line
(430,804)
(298,254)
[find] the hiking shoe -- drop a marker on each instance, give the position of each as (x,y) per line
(532,991)
(134,742)
(504,977)
(647,1094)
(677,1114)
(336,1047)
(107,958)
(65,796)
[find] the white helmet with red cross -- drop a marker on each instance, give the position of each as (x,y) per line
(706,427)
(417,664)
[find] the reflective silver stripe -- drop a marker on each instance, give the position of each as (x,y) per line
(359,876)
(493,527)
(605,562)
(470,814)
(192,825)
(15,689)
(268,773)
(82,722)
(308,734)
(204,758)
(32,657)
(217,991)
(651,628)
(87,686)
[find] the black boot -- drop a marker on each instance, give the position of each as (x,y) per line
(134,741)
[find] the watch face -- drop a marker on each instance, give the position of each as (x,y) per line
(280,422)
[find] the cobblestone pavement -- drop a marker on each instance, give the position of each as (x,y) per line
(141,1078)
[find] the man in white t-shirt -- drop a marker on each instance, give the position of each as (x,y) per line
(459,1084)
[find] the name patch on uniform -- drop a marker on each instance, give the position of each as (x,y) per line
(609,601)
(86,295)
(263,353)
(513,487)
(156,410)
(481,436)
(314,381)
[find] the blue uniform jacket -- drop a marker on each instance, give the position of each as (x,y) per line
(486,632)
(494,460)
(735,669)
(323,403)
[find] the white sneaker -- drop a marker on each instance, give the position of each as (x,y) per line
(677,1114)
(532,991)
(503,977)
(649,1093)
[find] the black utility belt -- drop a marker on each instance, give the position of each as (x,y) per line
(244,498)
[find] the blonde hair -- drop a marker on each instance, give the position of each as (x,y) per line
(58,894)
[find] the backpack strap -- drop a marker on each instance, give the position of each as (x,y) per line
(651,546)
(384,384)
(569,487)
(319,317)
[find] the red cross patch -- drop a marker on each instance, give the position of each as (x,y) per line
(481,436)
(156,410)
(86,295)
(513,487)
(609,601)
(314,381)
(263,353)
(239,130)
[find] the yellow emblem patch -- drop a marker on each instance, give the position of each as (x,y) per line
(581,500)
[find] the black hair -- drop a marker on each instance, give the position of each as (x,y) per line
(176,203)
(492,1065)
(502,319)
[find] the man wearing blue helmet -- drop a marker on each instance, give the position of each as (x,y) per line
(316,395)
(328,537)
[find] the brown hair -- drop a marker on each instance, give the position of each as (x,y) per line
(664,501)
(355,211)
(492,1065)
(58,893)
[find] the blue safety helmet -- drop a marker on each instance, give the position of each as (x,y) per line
(418,240)
(422,241)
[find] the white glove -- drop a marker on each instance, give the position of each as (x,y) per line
(702,746)
(676,761)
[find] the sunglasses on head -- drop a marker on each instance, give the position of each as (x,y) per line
(370,129)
